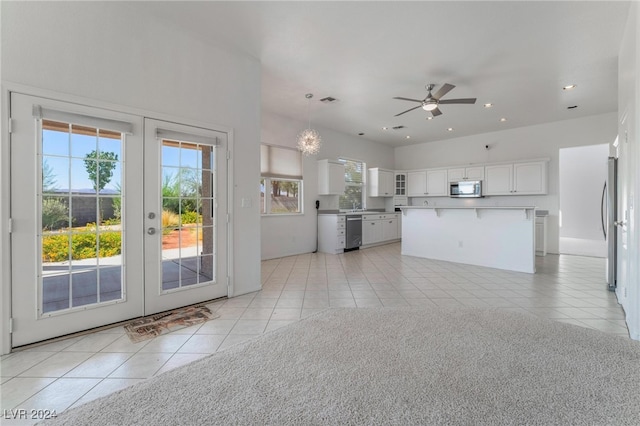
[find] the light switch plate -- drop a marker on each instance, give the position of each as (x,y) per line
(246,203)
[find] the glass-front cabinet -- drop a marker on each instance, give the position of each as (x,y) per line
(401,184)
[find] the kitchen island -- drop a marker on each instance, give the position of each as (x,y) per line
(497,237)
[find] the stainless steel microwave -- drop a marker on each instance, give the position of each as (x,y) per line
(465,188)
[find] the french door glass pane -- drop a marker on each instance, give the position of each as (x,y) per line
(80,205)
(188,197)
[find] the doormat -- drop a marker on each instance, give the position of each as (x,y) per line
(155,325)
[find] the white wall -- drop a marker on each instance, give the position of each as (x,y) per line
(111,54)
(628,290)
(583,172)
(295,234)
(540,141)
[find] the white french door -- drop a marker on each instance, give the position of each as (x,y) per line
(113,217)
(185,215)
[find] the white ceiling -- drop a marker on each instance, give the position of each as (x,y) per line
(515,54)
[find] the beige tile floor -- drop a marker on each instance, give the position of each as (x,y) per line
(60,375)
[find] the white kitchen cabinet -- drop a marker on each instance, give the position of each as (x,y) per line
(530,178)
(371,231)
(380,228)
(437,184)
(389,229)
(331,233)
(417,183)
(427,183)
(465,173)
(541,236)
(498,180)
(381,183)
(400,184)
(330,177)
(516,179)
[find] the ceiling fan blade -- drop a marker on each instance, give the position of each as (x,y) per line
(446,88)
(436,112)
(408,99)
(458,101)
(410,109)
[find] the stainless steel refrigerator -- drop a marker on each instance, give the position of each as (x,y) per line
(609,215)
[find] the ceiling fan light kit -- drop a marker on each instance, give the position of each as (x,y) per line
(431,102)
(309,140)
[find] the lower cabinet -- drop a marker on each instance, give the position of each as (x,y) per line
(541,236)
(379,228)
(331,233)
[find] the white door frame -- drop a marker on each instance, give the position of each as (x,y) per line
(6,88)
(156,299)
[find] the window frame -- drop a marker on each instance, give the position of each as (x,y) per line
(265,183)
(348,184)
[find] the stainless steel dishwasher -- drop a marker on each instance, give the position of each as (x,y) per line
(354,232)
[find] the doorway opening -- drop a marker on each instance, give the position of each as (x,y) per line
(583,175)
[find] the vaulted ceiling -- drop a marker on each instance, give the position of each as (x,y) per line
(516,55)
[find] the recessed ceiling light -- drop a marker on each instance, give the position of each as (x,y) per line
(488,105)
(569,87)
(385,128)
(503,119)
(408,137)
(430,118)
(450,129)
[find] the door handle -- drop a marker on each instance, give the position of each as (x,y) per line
(151,231)
(620,223)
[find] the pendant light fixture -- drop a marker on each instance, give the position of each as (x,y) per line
(309,140)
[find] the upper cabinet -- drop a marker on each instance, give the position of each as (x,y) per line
(400,184)
(437,184)
(417,183)
(498,180)
(381,183)
(330,177)
(427,183)
(530,178)
(466,173)
(516,179)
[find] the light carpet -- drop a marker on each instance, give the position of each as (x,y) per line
(394,366)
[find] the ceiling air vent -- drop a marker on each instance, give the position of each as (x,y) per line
(328,100)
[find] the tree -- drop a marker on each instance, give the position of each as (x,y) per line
(100,168)
(48,177)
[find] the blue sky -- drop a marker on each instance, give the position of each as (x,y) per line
(64,153)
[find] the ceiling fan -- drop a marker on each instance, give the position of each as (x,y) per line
(431,102)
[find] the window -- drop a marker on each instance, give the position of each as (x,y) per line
(281,180)
(354,195)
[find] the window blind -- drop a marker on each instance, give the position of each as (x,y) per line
(185,137)
(41,113)
(280,162)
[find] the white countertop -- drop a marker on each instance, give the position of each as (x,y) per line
(356,213)
(471,207)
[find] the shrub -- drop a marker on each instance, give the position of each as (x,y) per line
(55,214)
(170,219)
(190,217)
(55,248)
